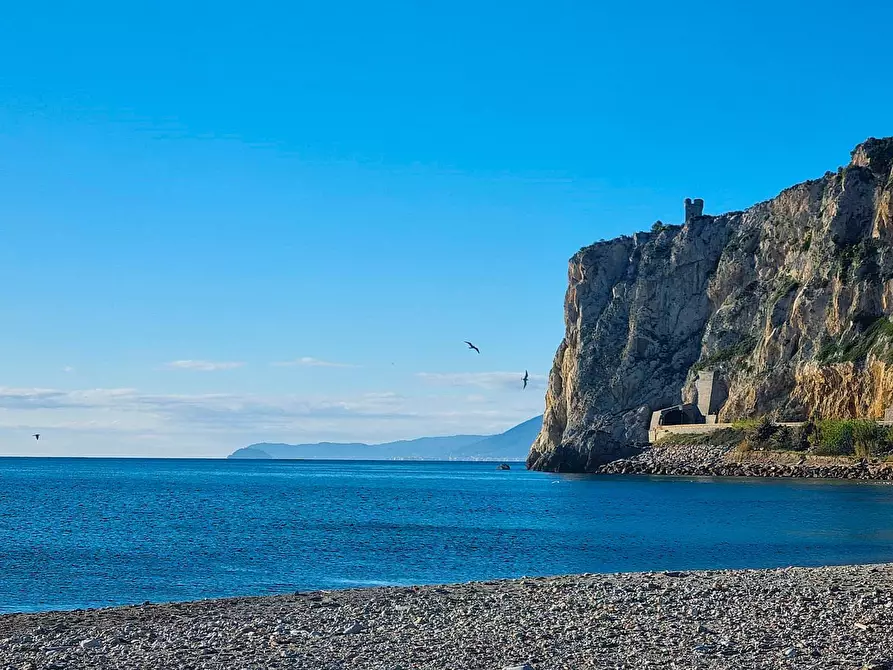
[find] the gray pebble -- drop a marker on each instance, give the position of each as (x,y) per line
(787,619)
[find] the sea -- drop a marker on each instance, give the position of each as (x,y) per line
(82,533)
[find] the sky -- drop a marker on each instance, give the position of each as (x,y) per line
(224,223)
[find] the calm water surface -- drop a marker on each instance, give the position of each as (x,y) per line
(87,533)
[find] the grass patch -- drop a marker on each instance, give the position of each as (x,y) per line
(715,438)
(743,447)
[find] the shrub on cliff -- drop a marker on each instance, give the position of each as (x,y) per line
(763,434)
(782,438)
(869,439)
(833,437)
(862,438)
(759,435)
(801,436)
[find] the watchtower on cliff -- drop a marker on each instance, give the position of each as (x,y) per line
(693,208)
(710,394)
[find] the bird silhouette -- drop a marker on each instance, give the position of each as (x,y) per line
(524,379)
(471,346)
(36,436)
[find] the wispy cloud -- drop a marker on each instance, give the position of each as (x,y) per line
(203,366)
(485,380)
(310,362)
(68,369)
(126,421)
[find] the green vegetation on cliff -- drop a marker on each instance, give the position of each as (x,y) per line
(788,302)
(856,438)
(861,438)
(876,338)
(726,354)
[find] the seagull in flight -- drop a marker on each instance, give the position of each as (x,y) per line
(36,436)
(524,379)
(471,346)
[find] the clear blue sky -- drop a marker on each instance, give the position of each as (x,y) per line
(225,185)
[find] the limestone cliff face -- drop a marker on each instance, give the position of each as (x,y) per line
(788,301)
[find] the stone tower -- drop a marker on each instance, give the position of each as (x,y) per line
(710,396)
(693,208)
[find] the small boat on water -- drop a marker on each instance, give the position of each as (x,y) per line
(503,466)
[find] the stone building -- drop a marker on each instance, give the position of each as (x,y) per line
(693,208)
(711,394)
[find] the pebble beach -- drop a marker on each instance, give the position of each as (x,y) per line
(831,617)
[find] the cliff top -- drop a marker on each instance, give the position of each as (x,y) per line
(874,154)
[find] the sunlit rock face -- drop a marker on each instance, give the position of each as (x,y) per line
(787,301)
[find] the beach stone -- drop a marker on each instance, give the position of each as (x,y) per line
(353,629)
(93,643)
(599,622)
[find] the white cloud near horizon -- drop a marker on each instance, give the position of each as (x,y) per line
(485,380)
(204,366)
(128,422)
(309,361)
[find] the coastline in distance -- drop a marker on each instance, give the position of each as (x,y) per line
(512,445)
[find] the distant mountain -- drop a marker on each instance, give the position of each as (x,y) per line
(511,445)
(422,448)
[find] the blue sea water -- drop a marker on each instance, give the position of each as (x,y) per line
(77,533)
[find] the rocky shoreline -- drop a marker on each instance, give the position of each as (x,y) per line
(832,617)
(725,461)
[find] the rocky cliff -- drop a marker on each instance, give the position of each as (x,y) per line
(788,301)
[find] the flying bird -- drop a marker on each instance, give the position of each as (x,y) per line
(471,346)
(36,436)
(524,379)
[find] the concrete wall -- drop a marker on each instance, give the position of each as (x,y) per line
(704,385)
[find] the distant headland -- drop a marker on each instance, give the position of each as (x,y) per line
(512,445)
